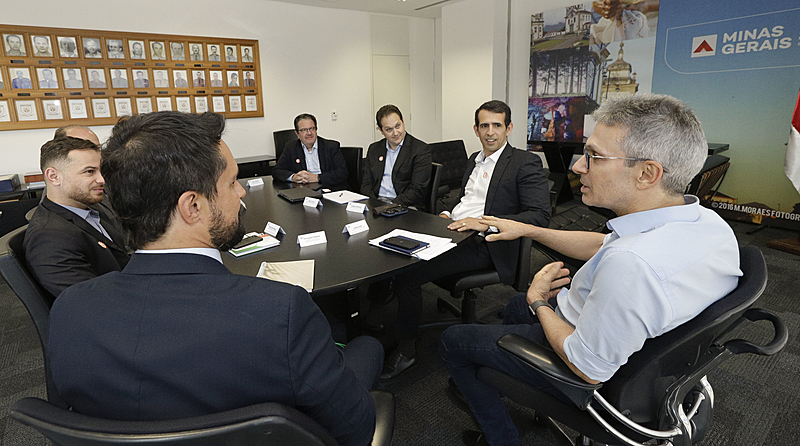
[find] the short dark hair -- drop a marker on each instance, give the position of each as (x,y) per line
(385,111)
(61,132)
(302,116)
(57,150)
(495,107)
(151,159)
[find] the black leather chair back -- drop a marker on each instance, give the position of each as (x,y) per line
(640,384)
(281,137)
(452,155)
(712,174)
(353,159)
(431,193)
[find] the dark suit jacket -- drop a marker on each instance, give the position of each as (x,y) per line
(62,249)
(518,191)
(331,161)
(178,335)
(410,176)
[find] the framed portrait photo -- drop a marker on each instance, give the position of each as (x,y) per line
(214,52)
(196,52)
(216,79)
(160,79)
(67,47)
(47,78)
(15,45)
(249,79)
(157,51)
(72,77)
(119,78)
(198,78)
(179,79)
(97,77)
(177,51)
(141,78)
(136,49)
(41,46)
(114,49)
(247,54)
(91,48)
(77,109)
(20,78)
(230,53)
(233,78)
(52,109)
(2,84)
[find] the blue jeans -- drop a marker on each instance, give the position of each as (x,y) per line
(464,348)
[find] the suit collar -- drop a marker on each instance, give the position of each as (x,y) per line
(84,226)
(499,170)
(165,264)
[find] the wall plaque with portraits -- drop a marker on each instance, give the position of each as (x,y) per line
(52,76)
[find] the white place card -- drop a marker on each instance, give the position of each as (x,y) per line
(356,227)
(311,239)
(255,182)
(52,109)
(77,108)
(358,208)
(26,110)
(311,202)
(273,229)
(5,116)
(101,108)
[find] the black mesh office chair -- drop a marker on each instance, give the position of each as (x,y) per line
(281,137)
(35,299)
(462,286)
(260,424)
(353,159)
(661,393)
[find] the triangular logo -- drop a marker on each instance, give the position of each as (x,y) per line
(703,46)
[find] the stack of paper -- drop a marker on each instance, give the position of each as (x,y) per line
(300,273)
(267,242)
(436,245)
(343,196)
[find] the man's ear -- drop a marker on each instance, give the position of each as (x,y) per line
(53,176)
(650,175)
(509,128)
(191,204)
(475,127)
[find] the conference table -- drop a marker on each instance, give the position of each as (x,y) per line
(344,262)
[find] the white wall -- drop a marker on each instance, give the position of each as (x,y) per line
(313,60)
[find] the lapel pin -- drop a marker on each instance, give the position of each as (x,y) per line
(102,244)
(297,160)
(485,174)
(380,159)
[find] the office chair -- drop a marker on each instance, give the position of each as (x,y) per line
(452,155)
(661,393)
(431,193)
(462,286)
(281,137)
(713,173)
(259,424)
(353,159)
(35,299)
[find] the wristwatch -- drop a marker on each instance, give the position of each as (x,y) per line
(539,303)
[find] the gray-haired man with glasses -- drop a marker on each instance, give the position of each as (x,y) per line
(311,159)
(665,260)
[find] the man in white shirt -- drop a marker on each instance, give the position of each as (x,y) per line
(666,260)
(500,180)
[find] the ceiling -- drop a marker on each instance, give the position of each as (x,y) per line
(412,8)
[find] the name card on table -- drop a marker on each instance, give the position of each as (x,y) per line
(311,239)
(356,227)
(311,202)
(273,229)
(359,208)
(255,182)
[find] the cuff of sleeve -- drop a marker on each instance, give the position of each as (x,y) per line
(446,213)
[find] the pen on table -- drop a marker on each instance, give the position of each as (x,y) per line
(243,205)
(340,194)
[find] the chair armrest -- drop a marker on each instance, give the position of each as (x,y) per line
(774,346)
(551,366)
(384,417)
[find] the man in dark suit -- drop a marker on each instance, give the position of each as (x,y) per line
(311,159)
(175,334)
(398,167)
(72,236)
(499,180)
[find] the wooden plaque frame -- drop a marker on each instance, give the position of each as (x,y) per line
(80,79)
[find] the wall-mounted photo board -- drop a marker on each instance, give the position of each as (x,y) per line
(50,77)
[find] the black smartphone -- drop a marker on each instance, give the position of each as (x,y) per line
(248,241)
(402,243)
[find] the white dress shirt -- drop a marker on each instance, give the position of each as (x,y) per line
(473,202)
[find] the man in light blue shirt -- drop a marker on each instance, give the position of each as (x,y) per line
(665,261)
(311,159)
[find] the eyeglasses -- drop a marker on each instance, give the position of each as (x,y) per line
(308,130)
(590,157)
